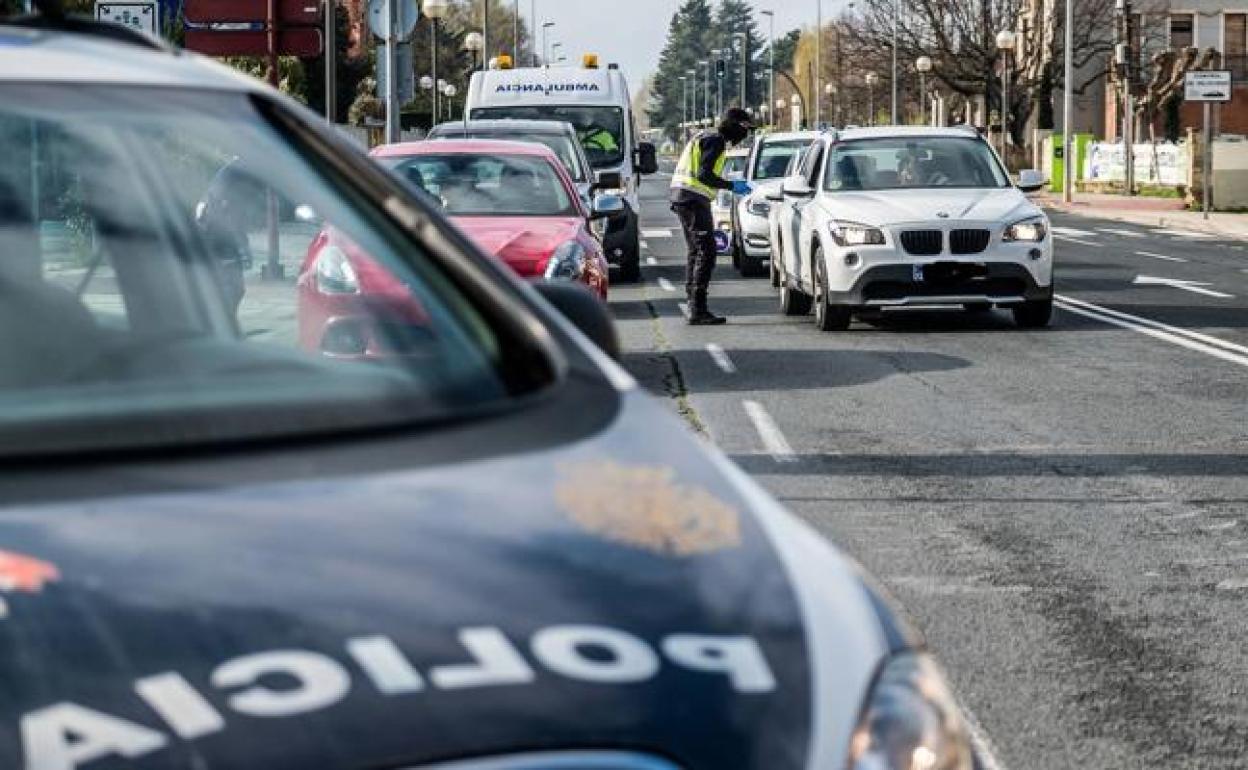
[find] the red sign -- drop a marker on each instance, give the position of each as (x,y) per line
(289,12)
(304,42)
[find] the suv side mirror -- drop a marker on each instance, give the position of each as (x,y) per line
(1030,180)
(586,312)
(608,180)
(647,158)
(796,187)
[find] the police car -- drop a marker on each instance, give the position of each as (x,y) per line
(490,549)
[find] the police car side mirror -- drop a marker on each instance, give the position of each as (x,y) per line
(1030,180)
(607,207)
(586,312)
(608,180)
(647,159)
(796,187)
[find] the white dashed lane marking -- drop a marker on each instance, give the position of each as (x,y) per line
(1160,256)
(1079,241)
(720,357)
(1072,231)
(773,439)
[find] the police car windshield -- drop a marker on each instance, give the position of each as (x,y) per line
(926,162)
(773,159)
(176,271)
(600,129)
(474,185)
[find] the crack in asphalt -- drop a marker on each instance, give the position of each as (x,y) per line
(674,380)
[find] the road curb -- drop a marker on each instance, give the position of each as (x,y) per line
(1160,218)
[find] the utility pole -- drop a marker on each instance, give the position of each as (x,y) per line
(771,63)
(533,31)
(485,32)
(515,33)
(745,62)
(1068,104)
(815,87)
(896,14)
(331,51)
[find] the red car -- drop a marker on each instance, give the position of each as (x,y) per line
(513,200)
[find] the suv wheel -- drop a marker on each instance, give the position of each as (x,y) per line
(1033,315)
(829,317)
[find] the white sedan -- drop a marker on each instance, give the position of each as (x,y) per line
(876,218)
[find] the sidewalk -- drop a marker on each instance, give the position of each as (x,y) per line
(1151,212)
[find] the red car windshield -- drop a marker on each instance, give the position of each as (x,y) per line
(471,185)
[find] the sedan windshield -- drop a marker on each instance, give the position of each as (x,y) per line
(560,144)
(908,162)
(471,185)
(175,270)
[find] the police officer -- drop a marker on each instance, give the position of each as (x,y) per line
(698,176)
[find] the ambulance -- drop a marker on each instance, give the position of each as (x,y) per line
(598,105)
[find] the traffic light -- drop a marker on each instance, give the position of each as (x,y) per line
(719,69)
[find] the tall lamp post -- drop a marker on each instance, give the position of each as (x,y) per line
(1005,44)
(435,10)
(475,43)
(515,33)
(706,91)
(818,58)
(870,81)
(450,92)
(426,84)
(717,57)
(692,74)
(1068,104)
(771,59)
(829,90)
(924,65)
(684,102)
(892,113)
(743,40)
(546,25)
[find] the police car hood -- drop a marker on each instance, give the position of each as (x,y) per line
(632,591)
(888,207)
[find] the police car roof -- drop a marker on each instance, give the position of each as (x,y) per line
(49,55)
(507,125)
(881,132)
(464,146)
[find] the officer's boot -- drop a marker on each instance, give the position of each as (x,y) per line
(698,313)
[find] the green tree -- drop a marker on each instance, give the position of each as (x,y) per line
(689,37)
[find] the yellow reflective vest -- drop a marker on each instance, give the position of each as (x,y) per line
(687,170)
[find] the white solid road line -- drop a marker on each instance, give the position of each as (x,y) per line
(1075,240)
(720,357)
(773,440)
(1160,256)
(1060,230)
(666,285)
(1185,234)
(663,233)
(651,261)
(1177,283)
(1123,233)
(1201,343)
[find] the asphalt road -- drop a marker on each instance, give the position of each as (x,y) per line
(1062,512)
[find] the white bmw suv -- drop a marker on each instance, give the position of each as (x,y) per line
(874,218)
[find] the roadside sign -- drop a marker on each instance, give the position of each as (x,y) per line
(289,12)
(304,42)
(408,14)
(1207,86)
(142,16)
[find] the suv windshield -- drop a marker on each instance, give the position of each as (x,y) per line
(175,270)
(470,185)
(773,159)
(908,162)
(600,129)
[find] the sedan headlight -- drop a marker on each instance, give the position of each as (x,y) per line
(911,721)
(567,262)
(1028,230)
(759,207)
(334,272)
(852,234)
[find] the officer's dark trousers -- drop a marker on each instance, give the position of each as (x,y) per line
(699,227)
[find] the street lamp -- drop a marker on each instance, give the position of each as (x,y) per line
(771,58)
(706,92)
(829,90)
(743,41)
(426,84)
(870,80)
(435,10)
(684,101)
(795,101)
(1068,106)
(1005,44)
(450,90)
(924,65)
(717,56)
(546,25)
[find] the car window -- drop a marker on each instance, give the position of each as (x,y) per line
(774,159)
(174,256)
(734,167)
(600,129)
(470,184)
(563,146)
(914,163)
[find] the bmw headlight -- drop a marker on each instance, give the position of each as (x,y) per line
(335,273)
(567,262)
(853,234)
(911,721)
(1028,230)
(759,207)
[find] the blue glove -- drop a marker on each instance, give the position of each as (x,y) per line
(742,187)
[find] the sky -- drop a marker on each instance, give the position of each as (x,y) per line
(632,32)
